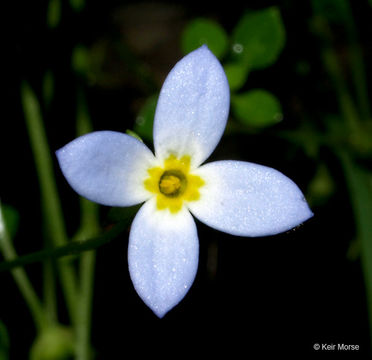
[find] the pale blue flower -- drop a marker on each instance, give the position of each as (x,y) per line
(235,197)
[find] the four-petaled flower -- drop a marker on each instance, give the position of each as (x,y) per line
(235,197)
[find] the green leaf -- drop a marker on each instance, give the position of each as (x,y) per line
(54,13)
(145,119)
(306,137)
(257,108)
(204,31)
(133,134)
(259,38)
(48,87)
(333,10)
(321,187)
(236,75)
(80,59)
(77,5)
(11,219)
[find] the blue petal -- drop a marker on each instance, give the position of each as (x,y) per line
(163,256)
(246,199)
(107,167)
(193,107)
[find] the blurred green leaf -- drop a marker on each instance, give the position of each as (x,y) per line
(257,108)
(77,5)
(11,219)
(305,137)
(236,75)
(80,59)
(359,181)
(4,342)
(48,87)
(204,31)
(333,10)
(133,134)
(259,38)
(145,119)
(54,13)
(321,186)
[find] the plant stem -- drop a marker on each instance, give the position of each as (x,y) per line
(83,327)
(21,279)
(50,298)
(359,183)
(89,227)
(50,199)
(72,248)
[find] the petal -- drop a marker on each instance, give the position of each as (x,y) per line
(247,199)
(107,167)
(163,256)
(193,107)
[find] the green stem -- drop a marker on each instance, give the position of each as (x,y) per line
(22,281)
(50,299)
(50,199)
(89,227)
(73,248)
(359,183)
(83,328)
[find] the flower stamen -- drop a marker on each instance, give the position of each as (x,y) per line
(172,183)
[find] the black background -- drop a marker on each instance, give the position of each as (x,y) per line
(276,295)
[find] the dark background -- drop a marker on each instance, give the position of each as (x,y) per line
(269,296)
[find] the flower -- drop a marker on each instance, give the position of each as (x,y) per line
(235,197)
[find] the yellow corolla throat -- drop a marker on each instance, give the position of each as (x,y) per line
(173,184)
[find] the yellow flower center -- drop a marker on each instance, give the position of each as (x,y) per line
(173,184)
